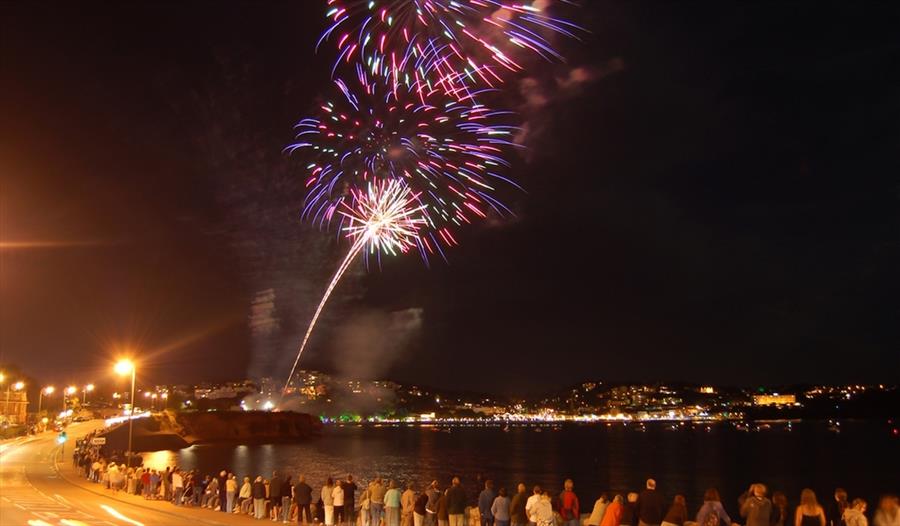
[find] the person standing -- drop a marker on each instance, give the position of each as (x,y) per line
(376,502)
(328,501)
(756,507)
(259,498)
(392,505)
(712,513)
(485,501)
(517,515)
(420,509)
(154,484)
(569,507)
(809,512)
(337,500)
(597,512)
(613,514)
(456,503)
(349,499)
(177,486)
(443,516)
(531,506)
(544,510)
(407,505)
(678,514)
(245,497)
(780,513)
(167,483)
(275,496)
(434,494)
(230,493)
(835,514)
(287,490)
(650,507)
(500,508)
(145,483)
(303,499)
(855,515)
(223,491)
(888,512)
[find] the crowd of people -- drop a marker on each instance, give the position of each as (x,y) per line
(386,503)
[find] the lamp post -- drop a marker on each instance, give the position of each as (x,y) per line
(45,391)
(124,367)
(87,389)
(165,397)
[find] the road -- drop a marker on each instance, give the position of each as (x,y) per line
(35,490)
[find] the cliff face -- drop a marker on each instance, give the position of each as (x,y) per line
(171,430)
(245,426)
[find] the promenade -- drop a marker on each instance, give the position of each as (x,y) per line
(39,487)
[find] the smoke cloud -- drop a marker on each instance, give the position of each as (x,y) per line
(369,343)
(540,95)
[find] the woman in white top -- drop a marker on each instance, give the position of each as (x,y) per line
(543,511)
(597,513)
(328,501)
(337,500)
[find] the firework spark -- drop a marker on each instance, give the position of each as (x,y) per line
(451,153)
(446,44)
(384,220)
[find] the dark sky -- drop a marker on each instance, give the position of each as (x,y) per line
(716,201)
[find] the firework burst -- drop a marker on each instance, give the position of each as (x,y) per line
(384,219)
(451,45)
(451,153)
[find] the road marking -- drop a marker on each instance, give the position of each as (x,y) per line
(115,513)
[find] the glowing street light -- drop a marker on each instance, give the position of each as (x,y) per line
(122,368)
(47,391)
(87,389)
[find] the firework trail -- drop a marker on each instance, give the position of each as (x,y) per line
(447,44)
(452,153)
(384,220)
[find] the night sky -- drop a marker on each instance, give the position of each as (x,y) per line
(711,196)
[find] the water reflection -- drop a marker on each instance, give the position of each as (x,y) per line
(600,458)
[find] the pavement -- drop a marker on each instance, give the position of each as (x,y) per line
(39,487)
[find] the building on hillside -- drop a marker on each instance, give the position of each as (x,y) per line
(13,406)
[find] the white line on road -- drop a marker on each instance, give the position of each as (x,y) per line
(115,513)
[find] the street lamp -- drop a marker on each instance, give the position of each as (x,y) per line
(165,397)
(45,391)
(87,389)
(122,368)
(153,401)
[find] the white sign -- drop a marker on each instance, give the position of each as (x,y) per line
(98,441)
